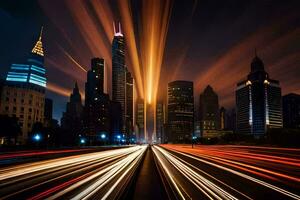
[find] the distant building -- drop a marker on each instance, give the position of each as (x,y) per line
(96,109)
(291,110)
(140,121)
(116,124)
(223,118)
(48,110)
(209,113)
(160,121)
(23,95)
(258,102)
(119,72)
(230,122)
(180,111)
(72,118)
(129,106)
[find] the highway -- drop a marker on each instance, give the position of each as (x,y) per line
(230,172)
(152,172)
(98,175)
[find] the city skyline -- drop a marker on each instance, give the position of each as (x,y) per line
(237,54)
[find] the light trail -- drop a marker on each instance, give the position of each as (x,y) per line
(201,155)
(207,187)
(80,176)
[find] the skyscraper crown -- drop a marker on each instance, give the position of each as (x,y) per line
(257,64)
(117,30)
(38,47)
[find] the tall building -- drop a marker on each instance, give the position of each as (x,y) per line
(129,106)
(209,111)
(140,121)
(23,95)
(258,102)
(291,110)
(119,72)
(96,110)
(223,118)
(180,111)
(230,122)
(160,121)
(72,118)
(48,110)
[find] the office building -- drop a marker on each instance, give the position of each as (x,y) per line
(291,110)
(23,95)
(160,121)
(140,121)
(258,102)
(209,113)
(96,109)
(71,121)
(119,72)
(180,111)
(129,107)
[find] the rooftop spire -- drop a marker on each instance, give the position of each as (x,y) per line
(38,47)
(117,29)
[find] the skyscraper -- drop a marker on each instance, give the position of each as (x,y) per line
(209,111)
(160,121)
(48,109)
(180,111)
(72,118)
(291,110)
(258,102)
(140,120)
(119,72)
(129,105)
(23,95)
(96,110)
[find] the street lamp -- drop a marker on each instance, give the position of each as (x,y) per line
(103,136)
(37,137)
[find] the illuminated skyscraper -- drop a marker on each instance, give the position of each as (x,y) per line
(258,102)
(209,111)
(119,72)
(96,110)
(129,105)
(140,120)
(160,121)
(23,95)
(180,111)
(223,118)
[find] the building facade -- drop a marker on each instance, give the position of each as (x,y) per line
(129,107)
(71,121)
(119,72)
(140,121)
(160,121)
(96,109)
(223,118)
(258,102)
(23,95)
(209,112)
(180,111)
(291,110)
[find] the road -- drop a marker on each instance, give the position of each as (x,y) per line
(230,172)
(86,176)
(152,172)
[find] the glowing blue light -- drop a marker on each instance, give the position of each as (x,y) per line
(37,83)
(37,137)
(103,136)
(82,141)
(119,136)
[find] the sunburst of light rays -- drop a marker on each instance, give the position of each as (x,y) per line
(155,22)
(126,19)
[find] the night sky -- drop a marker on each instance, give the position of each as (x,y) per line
(208,42)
